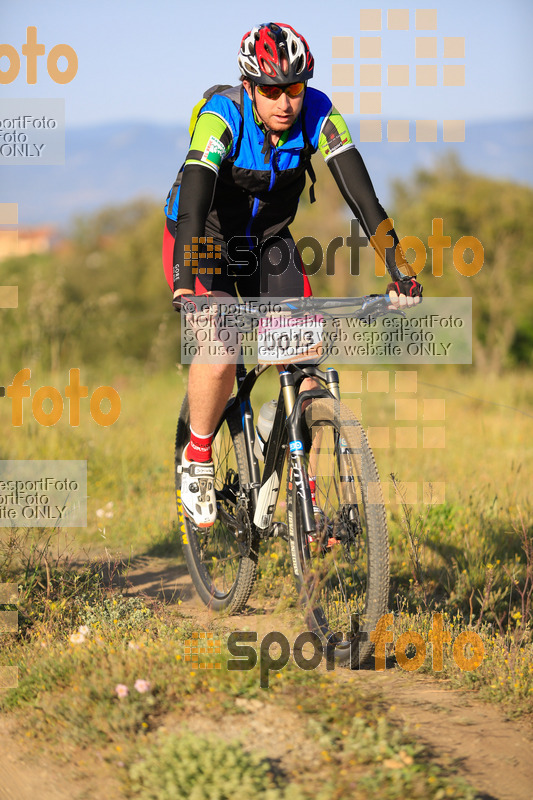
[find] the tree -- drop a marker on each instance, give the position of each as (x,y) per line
(498,214)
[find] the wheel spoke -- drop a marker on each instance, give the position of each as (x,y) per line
(334,562)
(221,566)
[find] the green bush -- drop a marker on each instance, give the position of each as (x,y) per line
(122,613)
(204,768)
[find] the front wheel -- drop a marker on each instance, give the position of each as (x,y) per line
(222,559)
(343,569)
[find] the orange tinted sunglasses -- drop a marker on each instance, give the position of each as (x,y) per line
(273,92)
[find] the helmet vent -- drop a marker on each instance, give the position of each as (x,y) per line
(276,53)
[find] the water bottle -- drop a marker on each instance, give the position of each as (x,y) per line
(265,421)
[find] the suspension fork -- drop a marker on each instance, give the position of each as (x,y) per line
(347,487)
(249,434)
(296,453)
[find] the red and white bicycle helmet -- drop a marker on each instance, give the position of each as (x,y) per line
(262,48)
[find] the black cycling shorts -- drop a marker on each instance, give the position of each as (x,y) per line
(273,268)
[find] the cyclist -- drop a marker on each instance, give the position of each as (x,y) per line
(239,186)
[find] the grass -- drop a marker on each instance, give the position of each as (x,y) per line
(115,682)
(190,766)
(469,557)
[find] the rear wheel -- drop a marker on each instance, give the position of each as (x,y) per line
(222,560)
(343,570)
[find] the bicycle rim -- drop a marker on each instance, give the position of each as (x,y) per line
(221,559)
(344,568)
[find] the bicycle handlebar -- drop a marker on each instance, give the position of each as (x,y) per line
(280,320)
(368,307)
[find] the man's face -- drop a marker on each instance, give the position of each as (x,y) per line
(278,115)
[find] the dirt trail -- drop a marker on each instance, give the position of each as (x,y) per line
(490,751)
(28,773)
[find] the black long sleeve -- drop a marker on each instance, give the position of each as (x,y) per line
(196,195)
(354,182)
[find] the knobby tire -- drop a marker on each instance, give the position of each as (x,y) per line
(222,567)
(343,571)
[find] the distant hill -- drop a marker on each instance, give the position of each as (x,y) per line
(104,165)
(111,164)
(495,149)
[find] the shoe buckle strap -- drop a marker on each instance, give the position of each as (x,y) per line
(196,470)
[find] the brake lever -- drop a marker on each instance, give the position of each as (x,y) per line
(375,305)
(397,311)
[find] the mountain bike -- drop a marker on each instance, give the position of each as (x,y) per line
(338,538)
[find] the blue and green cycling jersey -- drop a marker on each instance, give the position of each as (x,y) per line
(239,184)
(232,145)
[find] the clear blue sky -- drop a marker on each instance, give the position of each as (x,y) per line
(151,61)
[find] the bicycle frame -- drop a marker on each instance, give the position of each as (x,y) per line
(262,492)
(337,538)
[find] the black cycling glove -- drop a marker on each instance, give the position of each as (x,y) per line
(407,286)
